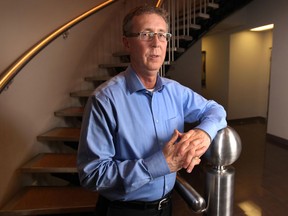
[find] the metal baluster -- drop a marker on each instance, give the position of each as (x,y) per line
(177,23)
(173,30)
(189,16)
(194,12)
(184,17)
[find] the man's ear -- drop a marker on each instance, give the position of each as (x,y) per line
(126,43)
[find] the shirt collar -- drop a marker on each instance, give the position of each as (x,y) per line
(134,84)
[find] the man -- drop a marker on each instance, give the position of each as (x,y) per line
(132,141)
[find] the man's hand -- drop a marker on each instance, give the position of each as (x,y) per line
(185,149)
(199,141)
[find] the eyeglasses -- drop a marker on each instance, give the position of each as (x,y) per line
(149,36)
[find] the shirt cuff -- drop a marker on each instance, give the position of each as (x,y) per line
(157,165)
(209,128)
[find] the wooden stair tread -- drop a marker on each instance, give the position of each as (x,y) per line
(81,93)
(61,134)
(98,78)
(177,49)
(184,37)
(213,5)
(120,53)
(203,15)
(50,200)
(191,26)
(70,112)
(115,65)
(51,163)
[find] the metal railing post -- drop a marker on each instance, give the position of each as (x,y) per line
(219,189)
(224,151)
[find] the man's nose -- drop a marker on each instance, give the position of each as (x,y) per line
(155,40)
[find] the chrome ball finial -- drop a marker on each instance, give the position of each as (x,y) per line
(224,149)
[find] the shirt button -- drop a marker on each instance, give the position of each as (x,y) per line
(157,121)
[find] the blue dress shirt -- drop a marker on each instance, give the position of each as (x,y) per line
(124,129)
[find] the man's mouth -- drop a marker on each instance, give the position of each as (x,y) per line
(154,56)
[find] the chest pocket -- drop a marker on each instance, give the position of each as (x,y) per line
(174,122)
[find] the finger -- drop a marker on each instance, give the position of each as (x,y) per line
(190,144)
(185,136)
(175,137)
(200,151)
(169,147)
(189,158)
(195,161)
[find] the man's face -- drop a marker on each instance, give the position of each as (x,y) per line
(146,56)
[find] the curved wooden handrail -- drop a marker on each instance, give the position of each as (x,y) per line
(7,76)
(159,3)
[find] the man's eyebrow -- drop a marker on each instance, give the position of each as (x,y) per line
(150,30)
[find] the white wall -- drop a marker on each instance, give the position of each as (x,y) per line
(278,104)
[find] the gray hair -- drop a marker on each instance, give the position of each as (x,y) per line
(140,10)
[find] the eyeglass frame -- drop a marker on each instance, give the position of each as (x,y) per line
(151,35)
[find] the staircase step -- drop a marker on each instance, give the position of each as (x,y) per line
(51,163)
(177,49)
(98,78)
(70,112)
(115,65)
(191,26)
(120,54)
(195,26)
(213,5)
(61,134)
(51,200)
(203,15)
(184,37)
(81,93)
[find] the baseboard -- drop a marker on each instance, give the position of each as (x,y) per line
(281,142)
(249,120)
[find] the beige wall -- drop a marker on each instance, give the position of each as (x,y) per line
(217,67)
(187,69)
(249,74)
(43,86)
(237,67)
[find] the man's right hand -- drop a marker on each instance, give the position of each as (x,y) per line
(178,149)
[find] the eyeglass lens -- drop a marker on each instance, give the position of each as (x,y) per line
(150,35)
